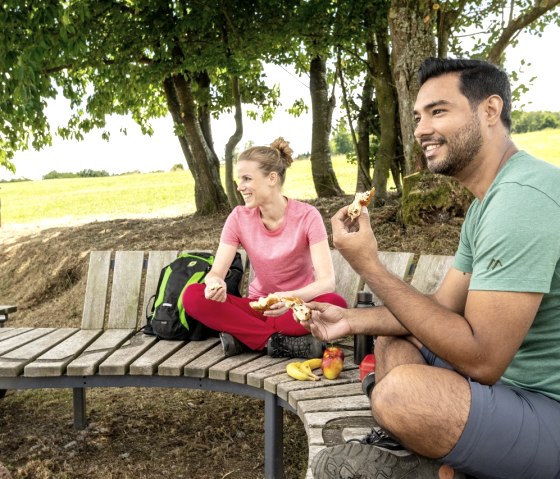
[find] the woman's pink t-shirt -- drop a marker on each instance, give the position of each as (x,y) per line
(281,259)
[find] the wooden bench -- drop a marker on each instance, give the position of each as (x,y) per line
(107,351)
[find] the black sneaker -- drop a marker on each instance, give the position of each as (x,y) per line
(363,461)
(231,345)
(280,346)
(368,383)
(378,437)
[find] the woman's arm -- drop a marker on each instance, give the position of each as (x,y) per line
(216,288)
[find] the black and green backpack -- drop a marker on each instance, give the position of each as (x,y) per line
(167,318)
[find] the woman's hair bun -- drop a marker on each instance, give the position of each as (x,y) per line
(284,149)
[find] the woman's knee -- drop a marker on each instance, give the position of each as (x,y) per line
(193,297)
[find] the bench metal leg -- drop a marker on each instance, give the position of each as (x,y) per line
(79,401)
(273,438)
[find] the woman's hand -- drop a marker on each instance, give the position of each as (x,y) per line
(328,322)
(216,290)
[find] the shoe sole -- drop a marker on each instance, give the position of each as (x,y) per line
(370,462)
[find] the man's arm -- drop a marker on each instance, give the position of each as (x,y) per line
(479,338)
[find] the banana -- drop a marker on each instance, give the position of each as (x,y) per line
(303,371)
(294,371)
(314,363)
(306,368)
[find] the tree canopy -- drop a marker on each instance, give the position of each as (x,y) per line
(198,59)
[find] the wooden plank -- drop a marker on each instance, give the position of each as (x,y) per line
(96,290)
(271,383)
(430,271)
(55,360)
(13,362)
(397,263)
(86,364)
(348,282)
(239,374)
(25,337)
(147,363)
(320,419)
(125,293)
(256,378)
(198,368)
(335,403)
(325,391)
(175,364)
(119,361)
(222,369)
(157,260)
(286,390)
(6,333)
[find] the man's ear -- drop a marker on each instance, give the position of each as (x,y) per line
(493,109)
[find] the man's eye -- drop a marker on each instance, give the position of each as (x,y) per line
(437,112)
(416,119)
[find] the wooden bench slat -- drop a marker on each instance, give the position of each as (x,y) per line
(25,337)
(119,361)
(256,378)
(55,360)
(175,364)
(7,333)
(346,403)
(147,363)
(325,391)
(239,374)
(86,364)
(96,290)
(348,282)
(125,292)
(13,362)
(430,271)
(198,368)
(222,369)
(286,390)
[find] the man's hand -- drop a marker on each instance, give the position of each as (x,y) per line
(354,239)
(328,322)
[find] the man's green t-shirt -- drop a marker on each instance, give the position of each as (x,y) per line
(510,241)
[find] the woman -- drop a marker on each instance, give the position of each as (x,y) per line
(287,245)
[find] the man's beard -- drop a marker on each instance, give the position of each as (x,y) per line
(462,147)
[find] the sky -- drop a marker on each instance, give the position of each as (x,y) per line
(161,151)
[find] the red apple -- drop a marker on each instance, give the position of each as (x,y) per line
(332,362)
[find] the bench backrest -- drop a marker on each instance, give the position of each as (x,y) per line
(120,285)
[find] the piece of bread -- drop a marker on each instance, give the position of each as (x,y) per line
(301,312)
(264,303)
(361,199)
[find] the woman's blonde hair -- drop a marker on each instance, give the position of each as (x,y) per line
(276,157)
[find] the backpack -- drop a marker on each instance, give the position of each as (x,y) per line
(167,318)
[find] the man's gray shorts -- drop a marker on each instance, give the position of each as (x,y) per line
(510,431)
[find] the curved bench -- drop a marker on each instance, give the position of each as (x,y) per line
(107,351)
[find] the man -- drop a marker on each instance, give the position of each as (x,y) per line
(467,379)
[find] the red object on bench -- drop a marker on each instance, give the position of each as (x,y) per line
(367,365)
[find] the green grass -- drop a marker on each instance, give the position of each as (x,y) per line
(544,144)
(173,192)
(131,195)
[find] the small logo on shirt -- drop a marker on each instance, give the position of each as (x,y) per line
(494,263)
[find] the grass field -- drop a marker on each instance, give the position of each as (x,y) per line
(172,193)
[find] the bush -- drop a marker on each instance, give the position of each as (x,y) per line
(524,122)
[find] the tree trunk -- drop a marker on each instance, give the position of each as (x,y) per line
(175,110)
(324,178)
(364,180)
(208,192)
(204,117)
(387,107)
(233,195)
(410,22)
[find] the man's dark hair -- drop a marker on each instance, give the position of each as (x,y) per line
(477,81)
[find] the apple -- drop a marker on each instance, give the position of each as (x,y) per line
(332,362)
